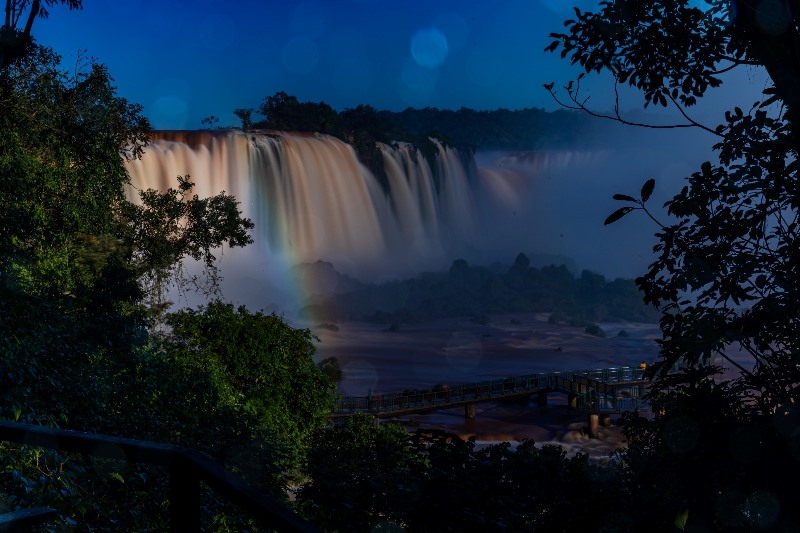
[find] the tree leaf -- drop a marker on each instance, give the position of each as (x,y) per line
(618,214)
(647,189)
(624,198)
(681,518)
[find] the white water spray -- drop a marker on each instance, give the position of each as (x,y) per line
(312,199)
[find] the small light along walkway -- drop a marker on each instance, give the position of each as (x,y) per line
(598,392)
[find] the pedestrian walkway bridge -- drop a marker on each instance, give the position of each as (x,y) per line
(596,391)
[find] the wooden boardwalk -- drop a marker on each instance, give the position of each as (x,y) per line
(604,390)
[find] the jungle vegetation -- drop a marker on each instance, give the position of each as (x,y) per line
(81,269)
(87,339)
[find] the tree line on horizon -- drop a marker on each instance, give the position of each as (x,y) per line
(500,129)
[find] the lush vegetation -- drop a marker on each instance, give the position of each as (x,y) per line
(503,129)
(725,274)
(476,292)
(86,339)
(699,463)
(385,479)
(82,273)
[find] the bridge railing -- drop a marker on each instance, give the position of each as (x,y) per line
(614,374)
(624,399)
(449,394)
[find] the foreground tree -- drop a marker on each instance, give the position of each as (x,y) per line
(727,271)
(726,276)
(168,227)
(366,478)
(81,269)
(259,362)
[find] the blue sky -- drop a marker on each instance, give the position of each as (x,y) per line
(184,60)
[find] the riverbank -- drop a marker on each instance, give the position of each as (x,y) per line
(453,351)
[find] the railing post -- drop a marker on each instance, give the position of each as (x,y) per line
(184,496)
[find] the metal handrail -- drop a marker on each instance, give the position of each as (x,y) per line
(187,468)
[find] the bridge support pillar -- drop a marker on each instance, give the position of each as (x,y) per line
(541,398)
(572,401)
(594,425)
(605,419)
(469,411)
(643,390)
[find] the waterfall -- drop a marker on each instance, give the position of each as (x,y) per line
(312,199)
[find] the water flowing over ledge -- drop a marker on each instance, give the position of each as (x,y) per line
(312,199)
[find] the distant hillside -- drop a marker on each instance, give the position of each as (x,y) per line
(474,291)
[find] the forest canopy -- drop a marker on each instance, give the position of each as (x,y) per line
(501,129)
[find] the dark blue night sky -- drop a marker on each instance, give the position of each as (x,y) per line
(184,60)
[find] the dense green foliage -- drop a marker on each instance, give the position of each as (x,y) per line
(382,478)
(85,340)
(77,348)
(259,360)
(472,291)
(61,175)
(366,477)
